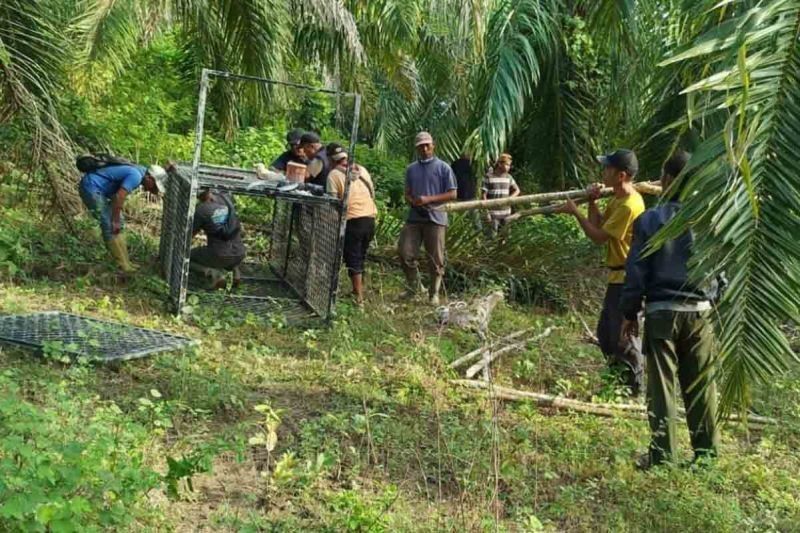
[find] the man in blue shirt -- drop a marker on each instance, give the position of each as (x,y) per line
(104,191)
(429,183)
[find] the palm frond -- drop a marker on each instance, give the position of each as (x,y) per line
(744,194)
(520,37)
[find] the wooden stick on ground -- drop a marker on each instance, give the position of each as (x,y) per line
(590,336)
(599,409)
(490,356)
(479,351)
(543,198)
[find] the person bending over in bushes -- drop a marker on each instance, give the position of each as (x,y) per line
(104,190)
(361,213)
(215,215)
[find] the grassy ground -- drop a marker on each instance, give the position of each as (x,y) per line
(349,428)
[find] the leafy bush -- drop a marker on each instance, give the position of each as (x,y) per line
(70,464)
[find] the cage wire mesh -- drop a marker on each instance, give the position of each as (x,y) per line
(293,270)
(80,336)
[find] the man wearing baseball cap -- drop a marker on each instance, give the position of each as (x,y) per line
(429,182)
(104,191)
(318,163)
(614,228)
(292,154)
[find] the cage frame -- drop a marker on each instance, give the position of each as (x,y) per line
(205,79)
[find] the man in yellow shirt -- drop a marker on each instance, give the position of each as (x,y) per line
(614,228)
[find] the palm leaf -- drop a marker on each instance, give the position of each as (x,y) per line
(520,37)
(744,194)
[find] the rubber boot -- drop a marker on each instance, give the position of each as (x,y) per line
(118,247)
(237,278)
(433,294)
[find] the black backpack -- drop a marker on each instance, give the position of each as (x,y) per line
(232,226)
(94,162)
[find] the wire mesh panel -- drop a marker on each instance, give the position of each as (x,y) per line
(325,256)
(307,227)
(304,255)
(81,336)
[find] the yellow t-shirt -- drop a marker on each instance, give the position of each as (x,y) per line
(619,216)
(360,202)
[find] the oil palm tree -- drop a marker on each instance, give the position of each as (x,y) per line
(743,198)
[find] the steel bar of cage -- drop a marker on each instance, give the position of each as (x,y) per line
(245,77)
(345,200)
(305,251)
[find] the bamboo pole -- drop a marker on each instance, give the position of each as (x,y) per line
(649,187)
(490,356)
(479,351)
(600,409)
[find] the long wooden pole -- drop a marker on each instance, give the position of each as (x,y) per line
(647,187)
(600,409)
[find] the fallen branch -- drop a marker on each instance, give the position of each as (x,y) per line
(599,409)
(491,356)
(479,351)
(590,336)
(648,187)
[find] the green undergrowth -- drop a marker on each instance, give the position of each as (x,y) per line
(350,427)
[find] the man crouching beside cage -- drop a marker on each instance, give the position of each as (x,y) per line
(215,215)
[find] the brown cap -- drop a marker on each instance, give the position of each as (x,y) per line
(423,137)
(504,158)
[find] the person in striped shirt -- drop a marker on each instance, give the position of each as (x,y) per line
(498,183)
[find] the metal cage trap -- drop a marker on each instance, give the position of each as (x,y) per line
(298,276)
(73,335)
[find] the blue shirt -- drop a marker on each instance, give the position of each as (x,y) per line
(429,178)
(107,181)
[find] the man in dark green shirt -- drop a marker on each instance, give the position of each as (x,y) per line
(224,249)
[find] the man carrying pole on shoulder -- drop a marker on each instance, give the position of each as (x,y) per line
(614,228)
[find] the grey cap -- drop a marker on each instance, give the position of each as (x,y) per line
(423,137)
(159,176)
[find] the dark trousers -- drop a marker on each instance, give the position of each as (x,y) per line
(358,233)
(204,257)
(627,356)
(679,347)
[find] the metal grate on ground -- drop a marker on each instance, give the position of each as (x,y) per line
(88,337)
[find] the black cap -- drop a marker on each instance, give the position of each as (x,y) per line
(309,137)
(676,163)
(294,136)
(624,160)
